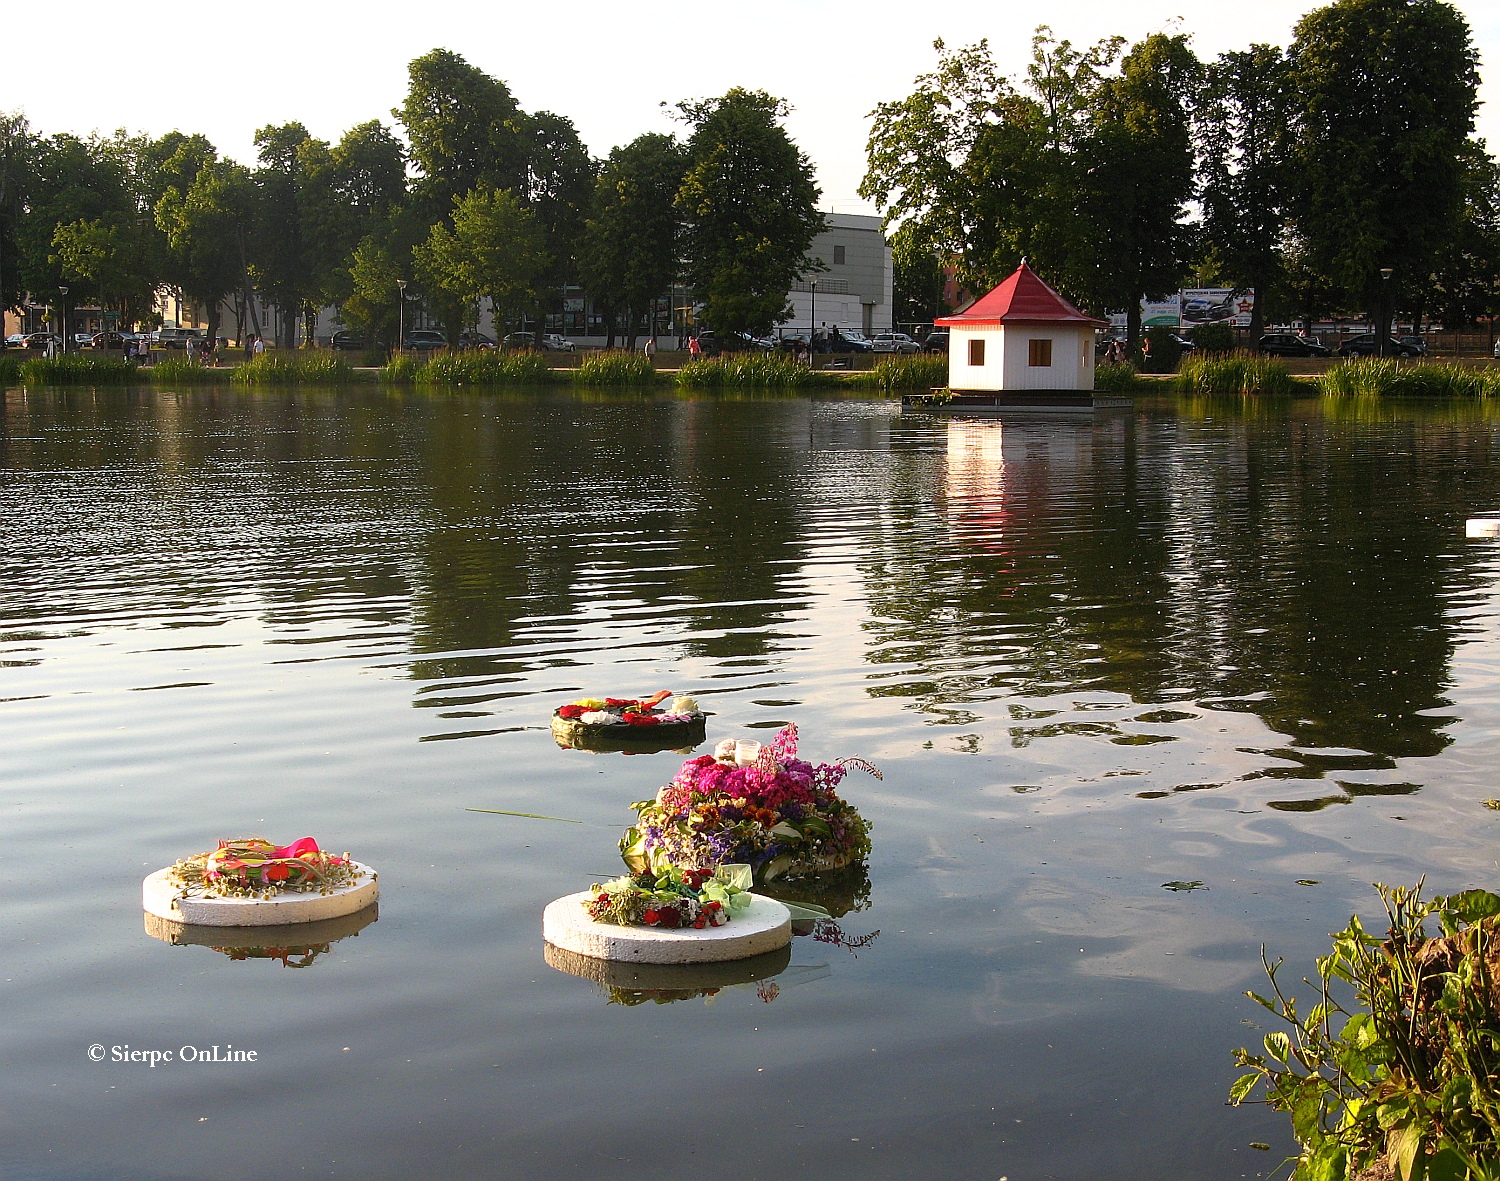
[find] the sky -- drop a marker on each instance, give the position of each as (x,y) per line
(224,71)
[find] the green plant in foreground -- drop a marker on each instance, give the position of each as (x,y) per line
(1234,373)
(181,371)
(1384,377)
(764,370)
(402,367)
(76,369)
(919,371)
(489,367)
(1405,1081)
(615,367)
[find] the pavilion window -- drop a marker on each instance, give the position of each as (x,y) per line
(1039,353)
(976,352)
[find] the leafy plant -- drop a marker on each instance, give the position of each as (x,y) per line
(1238,373)
(916,372)
(764,370)
(1383,377)
(522,367)
(1213,338)
(1407,1075)
(403,367)
(176,370)
(616,367)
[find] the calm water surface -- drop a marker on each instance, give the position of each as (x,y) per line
(1241,646)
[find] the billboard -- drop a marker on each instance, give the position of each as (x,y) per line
(1216,305)
(1155,313)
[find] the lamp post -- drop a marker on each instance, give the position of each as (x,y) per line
(63,291)
(812,326)
(1383,329)
(400,314)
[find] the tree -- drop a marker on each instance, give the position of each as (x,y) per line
(629,252)
(208,229)
(1466,272)
(111,256)
(1138,165)
(919,280)
(495,249)
(374,292)
(982,174)
(465,130)
(751,206)
(1241,123)
(560,187)
(18,146)
(1388,91)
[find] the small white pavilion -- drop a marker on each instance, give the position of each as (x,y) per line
(1023,335)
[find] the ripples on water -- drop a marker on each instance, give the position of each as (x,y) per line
(1241,646)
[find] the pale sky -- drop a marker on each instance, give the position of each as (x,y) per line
(225,71)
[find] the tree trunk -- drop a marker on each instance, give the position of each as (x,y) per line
(1257,313)
(631,320)
(1383,320)
(245,281)
(1133,326)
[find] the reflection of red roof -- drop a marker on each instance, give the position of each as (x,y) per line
(1021,299)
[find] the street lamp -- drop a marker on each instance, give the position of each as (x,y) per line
(400,314)
(1385,311)
(63,291)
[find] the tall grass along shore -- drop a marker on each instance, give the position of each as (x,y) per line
(1382,377)
(1234,373)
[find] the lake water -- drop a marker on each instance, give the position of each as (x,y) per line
(1202,642)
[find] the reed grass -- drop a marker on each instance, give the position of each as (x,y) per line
(177,370)
(916,371)
(10,370)
(752,370)
(1115,377)
(1384,377)
(77,369)
(615,367)
(1234,373)
(293,367)
(489,367)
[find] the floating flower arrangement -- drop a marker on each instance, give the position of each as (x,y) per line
(256,868)
(672,898)
(750,804)
(628,711)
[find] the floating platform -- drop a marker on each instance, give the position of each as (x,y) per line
(765,925)
(159,898)
(571,734)
(998,401)
(638,977)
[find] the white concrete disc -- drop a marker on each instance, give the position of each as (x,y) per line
(322,931)
(158,894)
(764,925)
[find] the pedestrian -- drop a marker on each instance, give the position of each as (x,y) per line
(258,346)
(649,348)
(1146,353)
(191,345)
(695,350)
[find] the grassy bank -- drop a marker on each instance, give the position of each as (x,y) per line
(1382,377)
(77,369)
(918,373)
(1393,1070)
(775,371)
(293,367)
(176,370)
(614,367)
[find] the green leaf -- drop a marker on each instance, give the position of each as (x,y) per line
(1446,1165)
(1278,1045)
(1473,905)
(1242,1087)
(1406,1143)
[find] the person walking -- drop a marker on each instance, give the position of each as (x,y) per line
(649,348)
(695,350)
(257,347)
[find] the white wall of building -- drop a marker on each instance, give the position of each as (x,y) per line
(1007,358)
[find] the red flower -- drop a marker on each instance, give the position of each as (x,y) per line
(571,711)
(652,917)
(603,898)
(617,702)
(277,872)
(641,719)
(700,922)
(712,906)
(670,917)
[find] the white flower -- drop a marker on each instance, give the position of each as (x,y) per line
(599,717)
(684,705)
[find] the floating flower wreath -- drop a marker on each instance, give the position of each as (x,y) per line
(752,804)
(672,898)
(256,868)
(628,711)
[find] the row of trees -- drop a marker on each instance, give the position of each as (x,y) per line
(477,201)
(1121,171)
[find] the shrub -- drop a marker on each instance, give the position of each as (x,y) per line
(180,370)
(10,371)
(1115,377)
(762,370)
(1165,351)
(292,366)
(489,367)
(403,367)
(1383,377)
(1212,338)
(1237,373)
(616,367)
(918,371)
(1397,1059)
(77,369)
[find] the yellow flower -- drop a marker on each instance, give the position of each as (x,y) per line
(590,702)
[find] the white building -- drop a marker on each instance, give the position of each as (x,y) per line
(856,290)
(1023,335)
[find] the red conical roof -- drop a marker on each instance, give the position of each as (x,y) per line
(1021,299)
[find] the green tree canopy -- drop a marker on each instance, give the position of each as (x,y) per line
(1387,92)
(208,229)
(750,204)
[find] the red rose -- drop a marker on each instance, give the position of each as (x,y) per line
(571,711)
(603,898)
(670,917)
(277,873)
(640,719)
(712,906)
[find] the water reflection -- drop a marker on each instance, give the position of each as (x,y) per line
(294,945)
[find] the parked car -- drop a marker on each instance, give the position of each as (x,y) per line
(936,342)
(1415,342)
(1292,344)
(81,339)
(1364,346)
(424,340)
(177,338)
(894,342)
(97,341)
(852,342)
(557,343)
(345,341)
(16,340)
(40,340)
